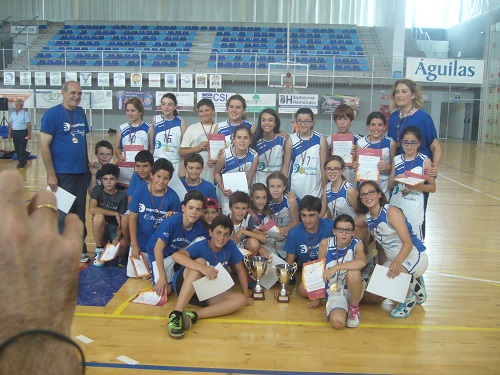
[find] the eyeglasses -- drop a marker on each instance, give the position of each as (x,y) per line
(370,193)
(412,143)
(305,122)
(334,169)
(345,230)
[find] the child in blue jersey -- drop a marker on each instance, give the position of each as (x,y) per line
(284,211)
(345,258)
(344,116)
(104,155)
(236,107)
(389,227)
(376,124)
(237,158)
(143,163)
(270,146)
(173,234)
(150,205)
(133,133)
(302,242)
(166,132)
(199,260)
(307,151)
(193,163)
(107,205)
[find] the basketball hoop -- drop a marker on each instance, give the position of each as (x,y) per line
(287,87)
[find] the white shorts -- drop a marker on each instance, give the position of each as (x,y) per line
(417,231)
(168,266)
(416,263)
(340,299)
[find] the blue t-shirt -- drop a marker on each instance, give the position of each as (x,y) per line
(205,187)
(174,235)
(151,209)
(135,181)
(306,245)
(64,126)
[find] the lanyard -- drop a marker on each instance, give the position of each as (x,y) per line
(336,197)
(304,155)
(167,137)
(270,149)
(371,144)
(132,137)
(313,241)
(156,215)
(72,124)
(240,169)
(215,256)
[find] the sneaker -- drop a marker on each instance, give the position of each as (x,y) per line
(96,262)
(419,289)
(84,258)
(353,317)
(175,329)
(189,318)
(403,309)
(122,261)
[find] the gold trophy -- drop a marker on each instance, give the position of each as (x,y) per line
(284,272)
(257,266)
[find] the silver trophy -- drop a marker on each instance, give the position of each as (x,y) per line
(257,265)
(284,272)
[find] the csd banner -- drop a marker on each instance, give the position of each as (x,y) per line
(444,70)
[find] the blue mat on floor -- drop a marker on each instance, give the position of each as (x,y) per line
(98,285)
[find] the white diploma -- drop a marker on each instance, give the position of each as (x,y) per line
(270,229)
(140,266)
(64,199)
(149,297)
(206,288)
(236,181)
(342,146)
(312,275)
(216,142)
(109,252)
(368,164)
(269,278)
(394,289)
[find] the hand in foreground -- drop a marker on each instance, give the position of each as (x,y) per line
(39,265)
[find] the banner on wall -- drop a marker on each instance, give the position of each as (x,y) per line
(103,79)
(9,78)
(100,99)
(257,102)
(185,100)
(24,29)
(445,70)
(122,97)
(329,103)
(40,79)
(25,78)
(290,103)
(154,80)
(55,79)
(219,99)
(94,99)
(14,94)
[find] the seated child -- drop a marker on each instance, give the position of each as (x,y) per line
(193,163)
(173,234)
(345,258)
(107,205)
(210,212)
(199,260)
(104,155)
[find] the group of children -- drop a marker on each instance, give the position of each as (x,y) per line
(311,197)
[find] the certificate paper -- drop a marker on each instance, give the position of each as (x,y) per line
(140,266)
(342,146)
(270,229)
(131,151)
(236,181)
(269,278)
(368,159)
(64,199)
(412,178)
(206,288)
(216,142)
(394,289)
(109,252)
(149,297)
(312,278)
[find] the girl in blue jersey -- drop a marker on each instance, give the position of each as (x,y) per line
(307,151)
(236,158)
(284,211)
(133,132)
(344,258)
(376,124)
(236,107)
(167,131)
(389,227)
(269,144)
(410,198)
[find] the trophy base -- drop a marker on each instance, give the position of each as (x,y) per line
(283,299)
(258,296)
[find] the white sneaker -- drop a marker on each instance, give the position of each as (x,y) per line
(84,258)
(403,309)
(353,317)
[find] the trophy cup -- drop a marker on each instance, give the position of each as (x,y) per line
(284,272)
(257,265)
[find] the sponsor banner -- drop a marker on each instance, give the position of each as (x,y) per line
(290,103)
(185,100)
(201,81)
(186,81)
(55,79)
(136,80)
(103,79)
(9,78)
(95,99)
(14,94)
(329,103)
(100,99)
(40,79)
(70,76)
(171,80)
(122,97)
(445,70)
(215,81)
(25,78)
(118,79)
(154,80)
(257,102)
(24,29)
(85,79)
(219,99)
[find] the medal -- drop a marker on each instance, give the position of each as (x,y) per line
(75,140)
(406,192)
(334,287)
(157,224)
(167,148)
(302,170)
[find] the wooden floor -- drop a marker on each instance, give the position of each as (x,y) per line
(457,331)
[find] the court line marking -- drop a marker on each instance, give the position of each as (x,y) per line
(463,277)
(469,187)
(472,174)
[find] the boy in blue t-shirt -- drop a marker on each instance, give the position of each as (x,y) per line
(173,234)
(199,260)
(303,240)
(107,205)
(104,155)
(193,163)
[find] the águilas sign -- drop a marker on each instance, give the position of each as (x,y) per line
(445,70)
